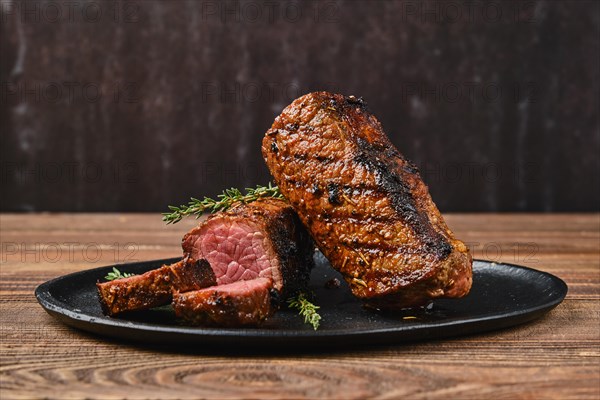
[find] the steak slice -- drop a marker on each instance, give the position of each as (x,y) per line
(364,204)
(245,302)
(262,239)
(154,288)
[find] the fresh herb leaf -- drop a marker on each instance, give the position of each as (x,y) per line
(306,309)
(224,201)
(116,274)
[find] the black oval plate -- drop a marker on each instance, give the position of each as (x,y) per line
(503,295)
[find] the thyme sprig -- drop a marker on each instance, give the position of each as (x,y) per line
(306,309)
(224,201)
(116,274)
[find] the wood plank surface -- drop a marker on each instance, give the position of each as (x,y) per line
(556,357)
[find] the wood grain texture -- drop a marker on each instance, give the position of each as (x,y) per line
(555,357)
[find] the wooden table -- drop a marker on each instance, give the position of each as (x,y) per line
(557,356)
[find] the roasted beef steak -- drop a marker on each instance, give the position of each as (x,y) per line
(262,239)
(364,204)
(154,288)
(244,302)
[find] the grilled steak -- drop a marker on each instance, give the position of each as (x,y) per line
(154,288)
(364,204)
(259,253)
(263,239)
(246,302)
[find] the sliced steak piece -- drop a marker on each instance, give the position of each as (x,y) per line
(246,302)
(364,204)
(154,288)
(262,239)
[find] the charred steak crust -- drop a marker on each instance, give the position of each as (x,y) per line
(364,204)
(154,288)
(291,244)
(235,304)
(192,275)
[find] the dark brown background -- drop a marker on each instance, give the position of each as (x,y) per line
(136,105)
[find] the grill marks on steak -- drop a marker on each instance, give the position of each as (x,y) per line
(364,203)
(240,303)
(241,252)
(154,288)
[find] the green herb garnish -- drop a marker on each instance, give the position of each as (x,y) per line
(307,309)
(224,201)
(116,274)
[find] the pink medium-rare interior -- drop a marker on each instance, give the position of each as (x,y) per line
(241,288)
(237,249)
